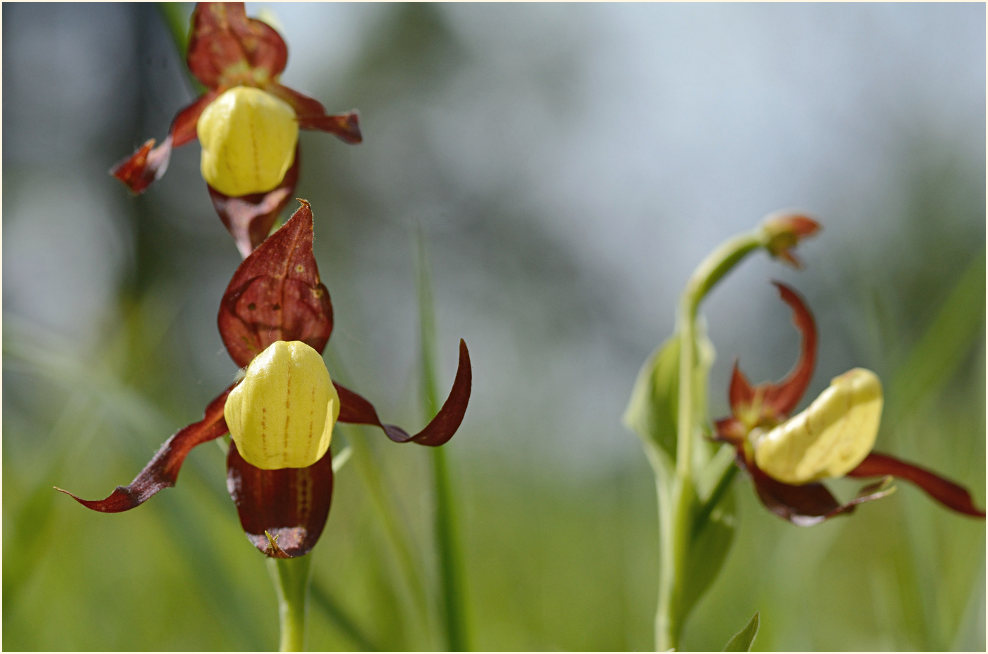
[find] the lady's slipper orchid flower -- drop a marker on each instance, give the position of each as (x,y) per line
(275,319)
(787,456)
(246,121)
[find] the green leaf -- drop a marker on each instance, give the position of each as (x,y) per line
(741,641)
(710,542)
(652,410)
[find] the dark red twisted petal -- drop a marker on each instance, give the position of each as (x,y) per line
(162,471)
(290,504)
(948,493)
(149,163)
(808,504)
(783,396)
(226,48)
(249,218)
(740,393)
(312,115)
(355,409)
(276,295)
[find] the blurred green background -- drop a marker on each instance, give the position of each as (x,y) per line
(568,165)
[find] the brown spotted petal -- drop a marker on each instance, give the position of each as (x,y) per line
(249,218)
(149,163)
(312,115)
(227,48)
(276,295)
(355,409)
(283,512)
(162,471)
(807,504)
(948,493)
(783,396)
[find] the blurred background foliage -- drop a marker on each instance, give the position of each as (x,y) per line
(568,166)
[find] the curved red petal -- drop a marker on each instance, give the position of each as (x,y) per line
(283,512)
(249,218)
(226,48)
(312,115)
(944,491)
(162,471)
(149,163)
(356,409)
(782,397)
(276,295)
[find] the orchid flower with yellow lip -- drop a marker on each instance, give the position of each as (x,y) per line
(788,457)
(246,121)
(275,319)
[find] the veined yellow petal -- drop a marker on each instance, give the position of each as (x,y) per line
(830,437)
(248,139)
(282,414)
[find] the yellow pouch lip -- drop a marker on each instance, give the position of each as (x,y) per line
(283,412)
(248,138)
(827,439)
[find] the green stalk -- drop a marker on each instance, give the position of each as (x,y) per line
(677,505)
(291,581)
(450,559)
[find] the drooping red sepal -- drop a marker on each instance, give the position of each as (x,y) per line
(807,504)
(249,218)
(283,512)
(783,396)
(227,48)
(312,115)
(356,409)
(944,491)
(149,163)
(276,295)
(162,471)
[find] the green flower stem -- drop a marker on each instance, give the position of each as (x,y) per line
(677,505)
(450,566)
(291,581)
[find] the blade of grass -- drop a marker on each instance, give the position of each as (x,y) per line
(450,559)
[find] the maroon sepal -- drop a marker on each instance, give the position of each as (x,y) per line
(283,512)
(808,504)
(784,396)
(355,409)
(162,471)
(249,218)
(312,115)
(227,48)
(149,163)
(276,295)
(948,493)
(780,398)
